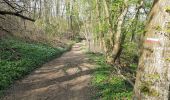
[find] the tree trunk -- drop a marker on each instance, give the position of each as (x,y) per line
(46,12)
(117,35)
(136,19)
(152,80)
(110,32)
(40,9)
(57,7)
(109,22)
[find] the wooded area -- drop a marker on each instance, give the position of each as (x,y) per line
(133,36)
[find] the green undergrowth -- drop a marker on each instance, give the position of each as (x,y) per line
(108,85)
(18,58)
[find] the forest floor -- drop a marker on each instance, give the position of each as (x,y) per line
(64,78)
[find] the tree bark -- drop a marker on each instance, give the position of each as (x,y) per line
(46,12)
(117,35)
(152,80)
(57,7)
(109,22)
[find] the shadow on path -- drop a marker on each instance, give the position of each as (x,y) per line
(64,78)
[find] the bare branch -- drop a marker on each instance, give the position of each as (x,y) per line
(16,14)
(7,2)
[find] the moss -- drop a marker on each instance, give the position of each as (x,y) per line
(167,9)
(145,31)
(168,24)
(154,93)
(153,76)
(146,89)
(158,28)
(167,59)
(168,30)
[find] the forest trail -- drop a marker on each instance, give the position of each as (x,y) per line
(64,78)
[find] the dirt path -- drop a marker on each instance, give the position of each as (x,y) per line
(64,78)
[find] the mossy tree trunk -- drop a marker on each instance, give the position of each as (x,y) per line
(113,45)
(118,33)
(152,80)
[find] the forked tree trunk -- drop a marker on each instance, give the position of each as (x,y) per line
(152,80)
(117,35)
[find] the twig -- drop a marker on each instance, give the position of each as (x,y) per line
(125,78)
